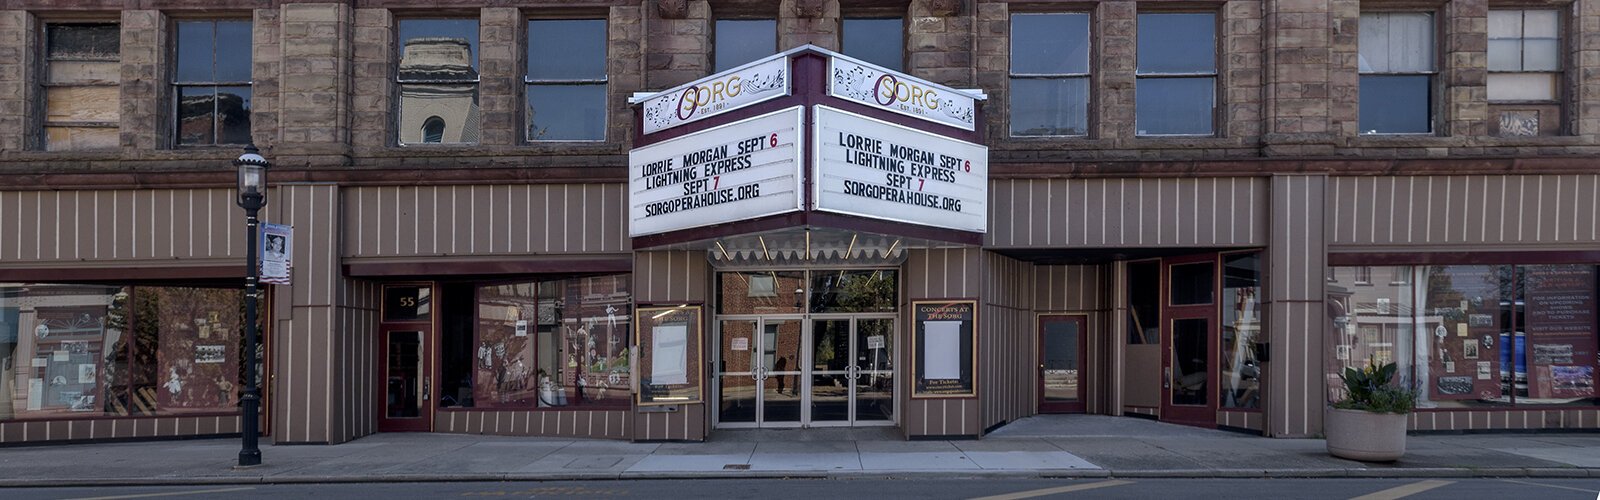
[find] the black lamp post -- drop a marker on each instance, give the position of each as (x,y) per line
(252,196)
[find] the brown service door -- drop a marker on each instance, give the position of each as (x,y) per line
(1061,349)
(1189,340)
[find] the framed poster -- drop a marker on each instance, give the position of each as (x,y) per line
(1561,330)
(944,354)
(669,342)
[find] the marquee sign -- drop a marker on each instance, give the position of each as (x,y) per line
(900,93)
(743,170)
(876,169)
(717,94)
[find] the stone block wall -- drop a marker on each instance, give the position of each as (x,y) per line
(324,87)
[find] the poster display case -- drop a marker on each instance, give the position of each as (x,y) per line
(944,341)
(669,340)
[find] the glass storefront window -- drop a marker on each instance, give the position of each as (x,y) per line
(541,344)
(1241,330)
(1470,336)
(86,350)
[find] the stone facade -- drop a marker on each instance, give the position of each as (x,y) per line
(1288,83)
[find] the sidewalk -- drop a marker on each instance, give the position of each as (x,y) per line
(1048,446)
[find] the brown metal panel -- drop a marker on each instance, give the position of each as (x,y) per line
(144,427)
(30,222)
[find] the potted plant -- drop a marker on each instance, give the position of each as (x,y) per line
(1369,424)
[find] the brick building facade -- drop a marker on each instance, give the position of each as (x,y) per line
(1286,179)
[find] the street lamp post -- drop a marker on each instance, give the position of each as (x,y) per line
(252,196)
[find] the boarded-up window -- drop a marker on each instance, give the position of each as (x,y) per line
(212,81)
(82,73)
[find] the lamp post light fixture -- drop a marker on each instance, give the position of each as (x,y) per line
(252,196)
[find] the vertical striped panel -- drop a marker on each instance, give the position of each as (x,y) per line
(166,225)
(35,431)
(405,221)
(662,277)
(933,274)
(1554,210)
(355,351)
(308,337)
(1498,419)
(1240,419)
(602,424)
(1069,288)
(1296,261)
(1116,345)
(1006,341)
(1142,212)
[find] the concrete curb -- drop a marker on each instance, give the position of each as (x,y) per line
(1397,473)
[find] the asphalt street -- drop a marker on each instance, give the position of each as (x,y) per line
(875,489)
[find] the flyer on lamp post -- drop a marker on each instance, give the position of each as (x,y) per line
(275,253)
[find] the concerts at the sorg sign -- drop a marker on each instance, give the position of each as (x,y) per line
(745,169)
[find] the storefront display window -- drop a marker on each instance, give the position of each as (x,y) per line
(1483,335)
(85,350)
(546,344)
(1144,302)
(1241,330)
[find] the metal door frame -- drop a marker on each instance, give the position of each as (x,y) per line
(805,373)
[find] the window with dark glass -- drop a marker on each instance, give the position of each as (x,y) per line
(739,41)
(879,41)
(566,80)
(1176,87)
(1191,284)
(211,82)
(1396,63)
(1144,302)
(438,79)
(1049,74)
(81,86)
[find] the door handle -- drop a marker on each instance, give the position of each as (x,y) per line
(1166,378)
(427,388)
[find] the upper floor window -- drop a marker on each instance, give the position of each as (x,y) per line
(1524,55)
(82,73)
(566,80)
(1176,88)
(1049,74)
(877,41)
(438,79)
(211,82)
(738,41)
(1397,68)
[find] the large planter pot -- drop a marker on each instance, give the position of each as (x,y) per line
(1365,436)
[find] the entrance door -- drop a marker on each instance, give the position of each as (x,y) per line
(852,371)
(760,372)
(405,359)
(407,380)
(1061,349)
(1188,341)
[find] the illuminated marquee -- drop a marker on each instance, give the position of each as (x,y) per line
(901,93)
(717,94)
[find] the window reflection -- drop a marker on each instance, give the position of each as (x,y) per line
(1241,330)
(212,82)
(438,79)
(566,80)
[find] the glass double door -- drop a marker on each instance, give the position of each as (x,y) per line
(805,371)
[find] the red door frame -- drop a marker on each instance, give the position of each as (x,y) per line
(1078,404)
(1200,415)
(424,420)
